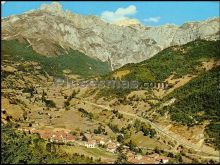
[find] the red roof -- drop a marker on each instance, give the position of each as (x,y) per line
(70,137)
(61,133)
(111,146)
(162,158)
(45,134)
(143,160)
(57,135)
(91,142)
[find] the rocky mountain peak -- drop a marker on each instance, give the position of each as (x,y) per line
(128,22)
(53,7)
(128,42)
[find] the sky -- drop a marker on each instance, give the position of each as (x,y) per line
(147,13)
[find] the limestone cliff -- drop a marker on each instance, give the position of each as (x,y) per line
(51,27)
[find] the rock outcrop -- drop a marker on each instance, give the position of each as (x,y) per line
(50,28)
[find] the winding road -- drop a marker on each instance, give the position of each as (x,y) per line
(181,141)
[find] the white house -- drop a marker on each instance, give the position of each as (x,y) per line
(102,142)
(90,144)
(111,147)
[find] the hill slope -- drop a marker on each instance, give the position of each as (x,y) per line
(196,102)
(71,60)
(174,62)
(177,60)
(198,99)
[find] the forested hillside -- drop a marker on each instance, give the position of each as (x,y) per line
(177,60)
(73,61)
(198,101)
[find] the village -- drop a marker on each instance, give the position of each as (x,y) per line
(66,137)
(58,108)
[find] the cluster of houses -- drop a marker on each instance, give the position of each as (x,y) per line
(58,136)
(147,159)
(64,136)
(94,141)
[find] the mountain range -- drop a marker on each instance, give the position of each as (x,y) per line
(50,28)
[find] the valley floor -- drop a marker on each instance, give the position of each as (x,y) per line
(121,130)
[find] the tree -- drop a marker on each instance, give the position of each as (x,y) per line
(73,133)
(171,155)
(137,125)
(66,104)
(122,159)
(114,128)
(50,147)
(148,131)
(25,115)
(100,130)
(43,98)
(120,116)
(156,150)
(131,145)
(179,158)
(50,103)
(120,138)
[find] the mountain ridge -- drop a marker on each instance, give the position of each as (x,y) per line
(51,26)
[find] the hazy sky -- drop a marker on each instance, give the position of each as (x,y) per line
(148,13)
